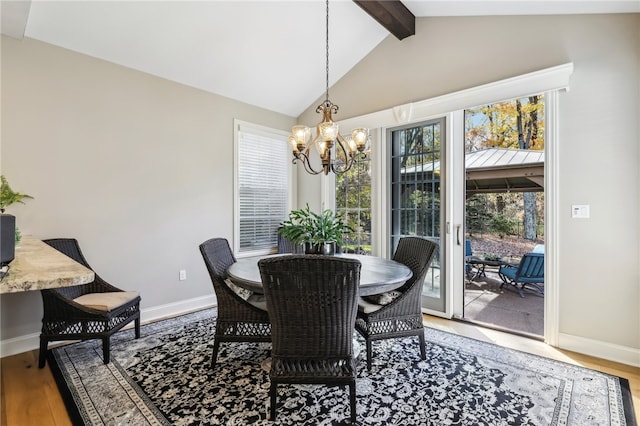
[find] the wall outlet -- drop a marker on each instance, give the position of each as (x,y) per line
(183,275)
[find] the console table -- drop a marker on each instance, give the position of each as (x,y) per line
(38,266)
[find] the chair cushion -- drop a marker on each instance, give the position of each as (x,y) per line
(382,298)
(258,300)
(372,303)
(509,272)
(106,301)
(243,293)
(367,307)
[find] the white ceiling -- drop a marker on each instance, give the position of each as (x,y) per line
(263,52)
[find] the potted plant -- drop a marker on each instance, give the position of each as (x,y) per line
(319,232)
(9,235)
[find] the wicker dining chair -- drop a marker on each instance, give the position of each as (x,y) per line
(312,303)
(95,310)
(238,319)
(399,313)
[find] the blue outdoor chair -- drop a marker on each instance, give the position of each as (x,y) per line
(529,272)
(469,259)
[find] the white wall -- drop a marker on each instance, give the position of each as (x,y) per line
(599,157)
(137,168)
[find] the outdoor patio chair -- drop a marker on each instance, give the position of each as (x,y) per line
(238,319)
(95,310)
(468,257)
(539,248)
(398,314)
(312,303)
(528,273)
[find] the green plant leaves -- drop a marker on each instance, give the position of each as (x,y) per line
(305,226)
(9,196)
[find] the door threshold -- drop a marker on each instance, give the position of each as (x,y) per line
(499,328)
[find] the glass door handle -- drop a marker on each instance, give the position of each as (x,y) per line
(458,234)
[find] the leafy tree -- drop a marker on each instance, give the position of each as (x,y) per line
(353,201)
(515,124)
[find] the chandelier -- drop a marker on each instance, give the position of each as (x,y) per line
(337,153)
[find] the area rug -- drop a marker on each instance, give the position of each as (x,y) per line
(164,378)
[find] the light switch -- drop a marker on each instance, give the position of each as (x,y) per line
(580,211)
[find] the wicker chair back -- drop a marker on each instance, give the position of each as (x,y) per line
(403,315)
(237,320)
(312,304)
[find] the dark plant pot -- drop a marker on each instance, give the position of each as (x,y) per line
(7,238)
(327,248)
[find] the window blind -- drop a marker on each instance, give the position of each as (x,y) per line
(263,187)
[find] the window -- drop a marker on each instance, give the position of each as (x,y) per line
(415,181)
(263,187)
(416,193)
(353,202)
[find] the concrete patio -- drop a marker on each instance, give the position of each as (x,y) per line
(503,308)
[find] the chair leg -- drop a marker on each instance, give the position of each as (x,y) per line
(214,354)
(273,389)
(369,354)
(106,350)
(42,358)
(137,327)
(423,345)
(352,401)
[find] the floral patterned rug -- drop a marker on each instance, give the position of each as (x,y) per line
(164,378)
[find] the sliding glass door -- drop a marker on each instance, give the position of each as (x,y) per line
(416,192)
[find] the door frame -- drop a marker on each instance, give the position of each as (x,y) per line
(549,81)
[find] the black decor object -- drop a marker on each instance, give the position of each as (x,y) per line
(7,238)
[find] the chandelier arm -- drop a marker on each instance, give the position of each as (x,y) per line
(349,158)
(339,171)
(306,163)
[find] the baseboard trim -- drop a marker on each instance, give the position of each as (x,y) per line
(609,351)
(29,342)
(169,310)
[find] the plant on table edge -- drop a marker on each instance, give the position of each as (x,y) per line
(314,229)
(8,196)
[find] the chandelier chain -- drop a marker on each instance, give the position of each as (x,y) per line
(327,56)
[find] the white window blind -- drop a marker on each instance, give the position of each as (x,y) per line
(263,187)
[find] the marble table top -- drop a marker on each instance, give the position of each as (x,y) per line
(38,266)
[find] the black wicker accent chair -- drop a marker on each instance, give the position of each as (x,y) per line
(238,319)
(90,311)
(312,304)
(286,246)
(401,314)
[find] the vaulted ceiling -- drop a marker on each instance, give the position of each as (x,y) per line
(266,53)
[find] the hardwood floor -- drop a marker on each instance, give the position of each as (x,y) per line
(30,395)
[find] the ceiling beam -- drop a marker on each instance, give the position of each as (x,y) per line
(391,14)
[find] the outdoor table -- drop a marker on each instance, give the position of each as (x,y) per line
(481,264)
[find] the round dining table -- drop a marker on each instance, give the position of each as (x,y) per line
(377,274)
